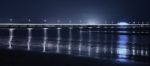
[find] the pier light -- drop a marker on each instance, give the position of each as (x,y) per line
(59,28)
(58,21)
(45,20)
(134,22)
(29,20)
(45,28)
(122,23)
(29,28)
(10,19)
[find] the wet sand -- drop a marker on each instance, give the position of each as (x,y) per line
(28,58)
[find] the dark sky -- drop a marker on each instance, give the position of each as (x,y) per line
(77,9)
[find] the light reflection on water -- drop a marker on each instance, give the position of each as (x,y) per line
(122,46)
(89,44)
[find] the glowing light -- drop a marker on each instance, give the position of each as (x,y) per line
(29,20)
(92,22)
(45,20)
(10,19)
(122,23)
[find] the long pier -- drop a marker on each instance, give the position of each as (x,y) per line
(106,28)
(38,25)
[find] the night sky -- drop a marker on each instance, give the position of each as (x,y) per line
(113,10)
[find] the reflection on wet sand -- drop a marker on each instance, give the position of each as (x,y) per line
(122,46)
(45,39)
(29,38)
(94,44)
(11,31)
